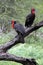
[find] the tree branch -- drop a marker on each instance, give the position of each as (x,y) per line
(11,57)
(16,40)
(8,45)
(33,28)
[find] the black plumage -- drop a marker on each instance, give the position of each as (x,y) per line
(20,30)
(29,20)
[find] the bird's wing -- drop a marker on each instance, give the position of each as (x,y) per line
(19,28)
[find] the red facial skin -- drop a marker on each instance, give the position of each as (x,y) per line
(12,22)
(33,11)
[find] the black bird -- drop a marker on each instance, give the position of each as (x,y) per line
(30,18)
(19,29)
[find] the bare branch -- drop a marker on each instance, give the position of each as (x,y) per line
(11,57)
(33,28)
(8,45)
(16,40)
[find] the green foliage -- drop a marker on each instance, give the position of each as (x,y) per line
(18,10)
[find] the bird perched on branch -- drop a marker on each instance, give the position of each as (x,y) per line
(30,18)
(19,29)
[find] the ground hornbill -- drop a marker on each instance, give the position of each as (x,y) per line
(19,29)
(30,18)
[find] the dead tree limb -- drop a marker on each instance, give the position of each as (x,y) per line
(33,28)
(16,40)
(11,57)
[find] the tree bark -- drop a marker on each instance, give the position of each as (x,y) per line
(25,61)
(11,57)
(16,40)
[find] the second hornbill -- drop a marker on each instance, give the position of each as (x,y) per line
(19,28)
(30,18)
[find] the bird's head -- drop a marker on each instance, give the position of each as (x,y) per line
(13,23)
(33,11)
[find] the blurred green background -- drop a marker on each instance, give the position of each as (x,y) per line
(18,10)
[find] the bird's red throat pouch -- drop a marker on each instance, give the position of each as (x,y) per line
(13,25)
(33,12)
